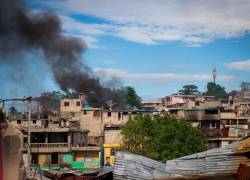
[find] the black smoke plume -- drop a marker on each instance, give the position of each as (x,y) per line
(22,30)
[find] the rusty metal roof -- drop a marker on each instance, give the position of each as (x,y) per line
(216,162)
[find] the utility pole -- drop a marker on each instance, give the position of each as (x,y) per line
(237,125)
(29,134)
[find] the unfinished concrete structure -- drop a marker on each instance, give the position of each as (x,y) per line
(57,141)
(63,146)
(11,162)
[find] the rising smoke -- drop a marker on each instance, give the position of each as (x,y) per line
(22,30)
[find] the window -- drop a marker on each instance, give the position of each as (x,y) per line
(242,122)
(109,113)
(19,121)
(34,121)
(46,123)
(215,125)
(112,152)
(85,112)
(119,116)
(211,111)
(54,158)
(96,113)
(34,158)
(197,103)
(25,140)
(78,103)
(66,103)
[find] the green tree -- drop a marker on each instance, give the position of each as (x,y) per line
(12,110)
(216,90)
(189,90)
(162,138)
(131,98)
(245,86)
(51,100)
(233,93)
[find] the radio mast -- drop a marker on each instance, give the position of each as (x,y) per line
(214,72)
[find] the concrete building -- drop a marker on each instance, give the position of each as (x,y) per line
(11,162)
(75,135)
(112,142)
(152,105)
(70,105)
(57,142)
(222,121)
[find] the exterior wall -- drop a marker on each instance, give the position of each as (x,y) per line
(70,105)
(89,159)
(178,112)
(203,104)
(108,152)
(78,156)
(200,115)
(94,120)
(77,160)
(155,105)
(79,139)
(227,115)
(12,155)
(91,156)
(24,123)
(42,159)
(68,158)
(112,136)
(116,117)
(93,124)
(170,100)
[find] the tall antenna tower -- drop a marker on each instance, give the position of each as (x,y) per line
(214,72)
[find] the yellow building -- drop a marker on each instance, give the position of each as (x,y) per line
(109,153)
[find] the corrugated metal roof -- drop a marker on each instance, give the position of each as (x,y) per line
(216,162)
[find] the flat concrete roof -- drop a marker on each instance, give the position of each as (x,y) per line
(86,148)
(56,130)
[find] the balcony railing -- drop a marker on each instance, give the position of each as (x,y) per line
(49,145)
